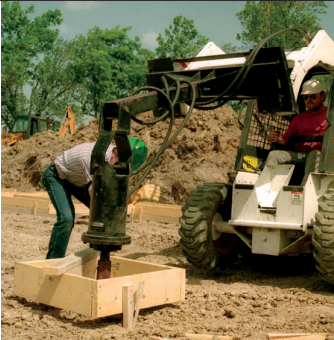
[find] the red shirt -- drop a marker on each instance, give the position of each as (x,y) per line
(307,124)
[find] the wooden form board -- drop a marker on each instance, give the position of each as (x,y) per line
(39,201)
(3,190)
(65,264)
(168,213)
(78,290)
(298,336)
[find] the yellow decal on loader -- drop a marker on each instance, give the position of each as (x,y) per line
(252,161)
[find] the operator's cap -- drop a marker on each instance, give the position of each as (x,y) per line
(313,86)
(139,152)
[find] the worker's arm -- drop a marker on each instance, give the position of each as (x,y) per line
(148,192)
(274,137)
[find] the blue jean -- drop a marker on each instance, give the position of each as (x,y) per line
(60,192)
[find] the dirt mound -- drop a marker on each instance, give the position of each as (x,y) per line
(204,151)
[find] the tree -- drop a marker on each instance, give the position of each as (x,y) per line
(108,64)
(22,40)
(53,81)
(181,40)
(262,18)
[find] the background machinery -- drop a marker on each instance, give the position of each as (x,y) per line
(69,123)
(262,208)
(24,127)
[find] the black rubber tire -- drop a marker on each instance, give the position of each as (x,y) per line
(323,237)
(196,239)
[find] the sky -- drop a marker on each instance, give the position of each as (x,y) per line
(214,19)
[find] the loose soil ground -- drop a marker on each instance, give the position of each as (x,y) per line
(249,299)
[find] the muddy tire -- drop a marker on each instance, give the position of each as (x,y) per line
(197,242)
(323,237)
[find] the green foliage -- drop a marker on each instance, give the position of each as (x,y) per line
(262,18)
(53,81)
(181,40)
(108,64)
(229,48)
(22,41)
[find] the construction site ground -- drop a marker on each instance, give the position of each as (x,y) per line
(251,298)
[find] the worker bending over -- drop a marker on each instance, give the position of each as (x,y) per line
(309,123)
(69,175)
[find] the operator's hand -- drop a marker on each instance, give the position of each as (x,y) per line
(273,137)
(148,192)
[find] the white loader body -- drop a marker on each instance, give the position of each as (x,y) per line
(270,216)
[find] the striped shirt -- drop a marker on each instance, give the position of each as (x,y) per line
(74,164)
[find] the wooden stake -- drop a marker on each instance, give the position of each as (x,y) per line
(34,209)
(132,213)
(140,214)
(139,295)
(127,306)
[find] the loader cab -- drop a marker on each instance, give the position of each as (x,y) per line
(29,126)
(254,146)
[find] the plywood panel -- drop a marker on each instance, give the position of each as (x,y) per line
(69,292)
(160,287)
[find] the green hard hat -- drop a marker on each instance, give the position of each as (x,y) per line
(139,152)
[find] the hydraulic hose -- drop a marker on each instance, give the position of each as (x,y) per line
(243,72)
(150,163)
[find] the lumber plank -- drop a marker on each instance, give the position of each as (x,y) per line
(127,306)
(191,336)
(40,195)
(306,337)
(158,209)
(23,202)
(65,264)
(69,292)
(274,336)
(22,210)
(7,190)
(31,195)
(172,220)
(80,209)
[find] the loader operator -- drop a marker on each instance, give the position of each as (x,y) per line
(69,175)
(309,123)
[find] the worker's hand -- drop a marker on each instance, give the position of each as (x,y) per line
(273,137)
(148,192)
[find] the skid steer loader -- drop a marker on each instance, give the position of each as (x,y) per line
(263,208)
